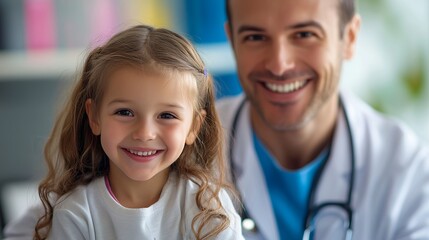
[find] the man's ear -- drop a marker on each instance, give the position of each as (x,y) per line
(350,36)
(193,133)
(228,32)
(92,117)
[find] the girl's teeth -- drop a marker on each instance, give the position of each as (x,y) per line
(141,153)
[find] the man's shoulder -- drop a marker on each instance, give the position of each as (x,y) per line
(363,114)
(229,101)
(227,107)
(392,136)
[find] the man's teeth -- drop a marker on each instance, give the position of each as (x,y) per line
(140,153)
(287,87)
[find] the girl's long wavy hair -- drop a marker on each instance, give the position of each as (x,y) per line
(74,155)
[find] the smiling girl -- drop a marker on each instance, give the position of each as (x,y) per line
(137,153)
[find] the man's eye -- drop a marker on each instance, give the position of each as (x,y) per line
(254,37)
(124,112)
(304,35)
(167,116)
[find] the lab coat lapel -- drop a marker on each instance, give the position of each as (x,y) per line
(249,176)
(334,182)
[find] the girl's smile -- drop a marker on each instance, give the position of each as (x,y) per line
(142,156)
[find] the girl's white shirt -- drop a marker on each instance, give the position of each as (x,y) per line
(90,212)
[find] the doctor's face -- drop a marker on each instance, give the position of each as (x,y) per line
(289,55)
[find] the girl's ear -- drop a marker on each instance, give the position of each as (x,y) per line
(193,133)
(92,118)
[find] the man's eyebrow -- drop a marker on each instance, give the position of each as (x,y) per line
(310,23)
(245,28)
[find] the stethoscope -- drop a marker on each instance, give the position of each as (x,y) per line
(249,225)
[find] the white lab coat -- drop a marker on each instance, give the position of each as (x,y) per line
(391,190)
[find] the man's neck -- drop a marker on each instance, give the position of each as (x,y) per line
(295,148)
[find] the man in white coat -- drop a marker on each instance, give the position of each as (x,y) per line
(304,155)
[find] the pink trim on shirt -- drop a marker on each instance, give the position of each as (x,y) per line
(107,182)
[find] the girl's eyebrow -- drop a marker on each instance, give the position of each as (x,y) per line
(118,101)
(171,105)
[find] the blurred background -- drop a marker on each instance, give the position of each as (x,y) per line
(43,44)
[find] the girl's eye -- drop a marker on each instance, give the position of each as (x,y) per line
(167,116)
(124,112)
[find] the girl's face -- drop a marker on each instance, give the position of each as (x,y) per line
(144,120)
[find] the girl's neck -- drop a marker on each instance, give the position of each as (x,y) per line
(136,194)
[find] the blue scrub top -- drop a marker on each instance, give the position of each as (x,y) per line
(289,190)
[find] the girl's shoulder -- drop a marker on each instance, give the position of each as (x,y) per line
(190,209)
(186,189)
(80,198)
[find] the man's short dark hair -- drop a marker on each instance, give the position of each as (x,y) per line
(346,12)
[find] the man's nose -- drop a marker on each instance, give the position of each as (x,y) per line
(145,130)
(279,57)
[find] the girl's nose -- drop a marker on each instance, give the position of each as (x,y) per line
(145,130)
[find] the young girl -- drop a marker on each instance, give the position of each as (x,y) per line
(137,153)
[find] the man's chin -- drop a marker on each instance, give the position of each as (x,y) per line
(286,126)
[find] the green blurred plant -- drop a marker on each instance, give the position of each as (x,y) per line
(413,78)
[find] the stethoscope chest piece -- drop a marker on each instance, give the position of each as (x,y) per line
(248,225)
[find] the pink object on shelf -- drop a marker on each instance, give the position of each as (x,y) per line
(39,24)
(104,19)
